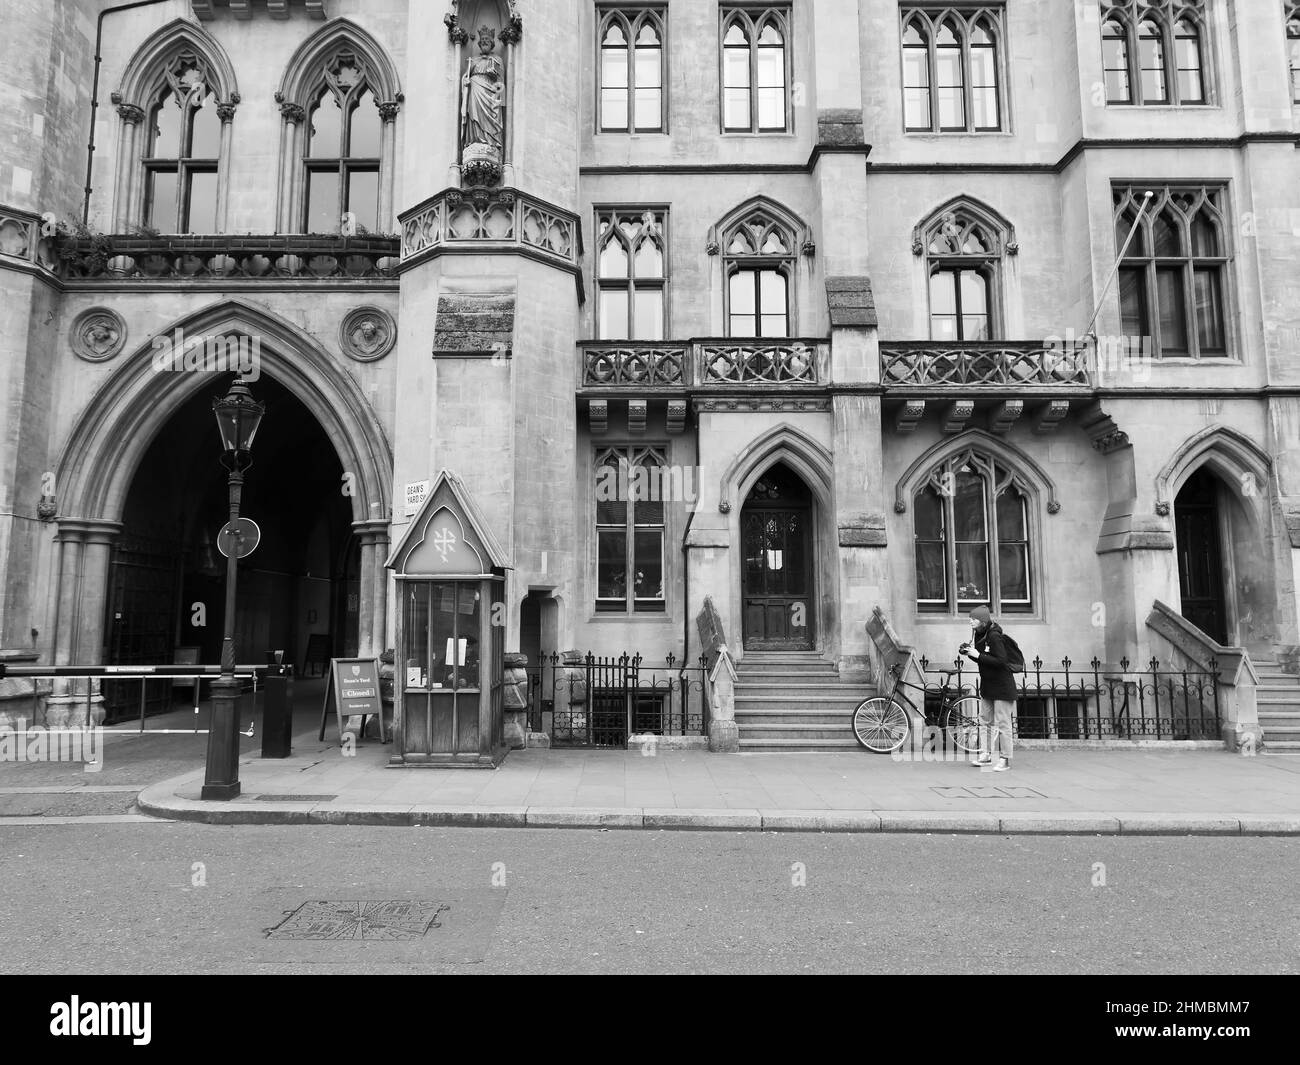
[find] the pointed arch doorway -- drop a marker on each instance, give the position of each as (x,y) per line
(777,579)
(1198,534)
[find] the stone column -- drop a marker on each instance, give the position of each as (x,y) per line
(387,170)
(85,550)
(128,166)
(372,616)
(290,176)
(226,112)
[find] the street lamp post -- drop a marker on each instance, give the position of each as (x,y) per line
(238,416)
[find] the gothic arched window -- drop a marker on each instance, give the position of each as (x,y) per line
(963,252)
(952,71)
(181,151)
(339,99)
(758,256)
(631,71)
(342,149)
(1153,51)
(972,537)
(755,70)
(1172,279)
(631,274)
(176,101)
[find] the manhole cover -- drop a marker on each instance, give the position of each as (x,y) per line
(294,798)
(387,921)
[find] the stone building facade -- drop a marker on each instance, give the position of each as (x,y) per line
(834,279)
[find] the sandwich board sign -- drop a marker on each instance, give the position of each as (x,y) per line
(352,690)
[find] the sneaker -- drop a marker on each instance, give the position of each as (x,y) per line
(1002,766)
(981,760)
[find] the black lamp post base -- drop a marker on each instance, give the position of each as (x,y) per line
(220,791)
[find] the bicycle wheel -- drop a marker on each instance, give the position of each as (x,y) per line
(880,724)
(962,722)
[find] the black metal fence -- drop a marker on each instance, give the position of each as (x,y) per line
(592,701)
(1099,702)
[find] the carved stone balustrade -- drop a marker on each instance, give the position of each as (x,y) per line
(992,384)
(757,362)
(699,365)
(481,220)
(227,258)
(931,363)
(634,364)
(25,239)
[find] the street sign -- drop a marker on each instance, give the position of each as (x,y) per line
(239,537)
(415,493)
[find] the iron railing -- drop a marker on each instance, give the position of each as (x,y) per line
(1100,702)
(592,701)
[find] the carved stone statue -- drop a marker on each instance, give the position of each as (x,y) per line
(482,139)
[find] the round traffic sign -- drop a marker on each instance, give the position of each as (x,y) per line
(238,537)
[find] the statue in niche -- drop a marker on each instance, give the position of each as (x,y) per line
(482,129)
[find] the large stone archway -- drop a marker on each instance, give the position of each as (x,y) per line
(100,459)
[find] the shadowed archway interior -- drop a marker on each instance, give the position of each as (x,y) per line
(167,579)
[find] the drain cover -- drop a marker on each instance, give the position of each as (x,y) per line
(394,919)
(294,798)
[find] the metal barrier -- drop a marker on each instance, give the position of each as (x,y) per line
(1102,702)
(143,674)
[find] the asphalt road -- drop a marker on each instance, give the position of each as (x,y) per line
(162,897)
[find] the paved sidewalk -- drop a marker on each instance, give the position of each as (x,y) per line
(1151,790)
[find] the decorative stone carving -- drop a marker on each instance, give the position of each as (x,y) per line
(598,415)
(957,415)
(1004,415)
(367,334)
(1162,508)
(482,130)
(226,111)
(1051,414)
(712,247)
(514,27)
(724,506)
(47,508)
(1053,506)
(97,334)
(809,248)
(130,113)
(676,416)
(636,415)
(388,109)
(292,112)
(900,506)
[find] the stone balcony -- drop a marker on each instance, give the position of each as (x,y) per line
(226,258)
(716,374)
(492,220)
(994,383)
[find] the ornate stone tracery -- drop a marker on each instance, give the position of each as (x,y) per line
(98,334)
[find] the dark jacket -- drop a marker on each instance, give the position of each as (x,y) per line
(996,679)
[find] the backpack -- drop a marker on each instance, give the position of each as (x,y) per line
(1015,656)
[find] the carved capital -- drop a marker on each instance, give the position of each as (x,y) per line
(454,31)
(225,111)
(130,113)
(388,110)
(292,112)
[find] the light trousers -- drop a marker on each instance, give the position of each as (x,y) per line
(995,733)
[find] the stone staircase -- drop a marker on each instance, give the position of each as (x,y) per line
(795,701)
(1278,697)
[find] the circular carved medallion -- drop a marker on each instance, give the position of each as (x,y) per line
(367,333)
(97,334)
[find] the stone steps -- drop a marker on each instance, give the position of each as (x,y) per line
(795,700)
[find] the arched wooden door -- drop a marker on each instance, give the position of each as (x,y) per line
(777,568)
(1200,555)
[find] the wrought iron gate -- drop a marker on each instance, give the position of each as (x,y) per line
(140,629)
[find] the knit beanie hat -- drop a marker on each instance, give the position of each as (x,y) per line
(982,615)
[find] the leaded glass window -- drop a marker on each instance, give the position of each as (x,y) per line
(631,274)
(963,251)
(971,537)
(632,59)
(1154,51)
(182,147)
(952,72)
(1173,278)
(755,69)
(758,259)
(342,149)
(630,496)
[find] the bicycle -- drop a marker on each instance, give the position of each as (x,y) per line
(881,724)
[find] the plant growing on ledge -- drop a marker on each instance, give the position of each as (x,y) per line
(77,243)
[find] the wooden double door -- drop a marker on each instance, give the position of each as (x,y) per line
(777,600)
